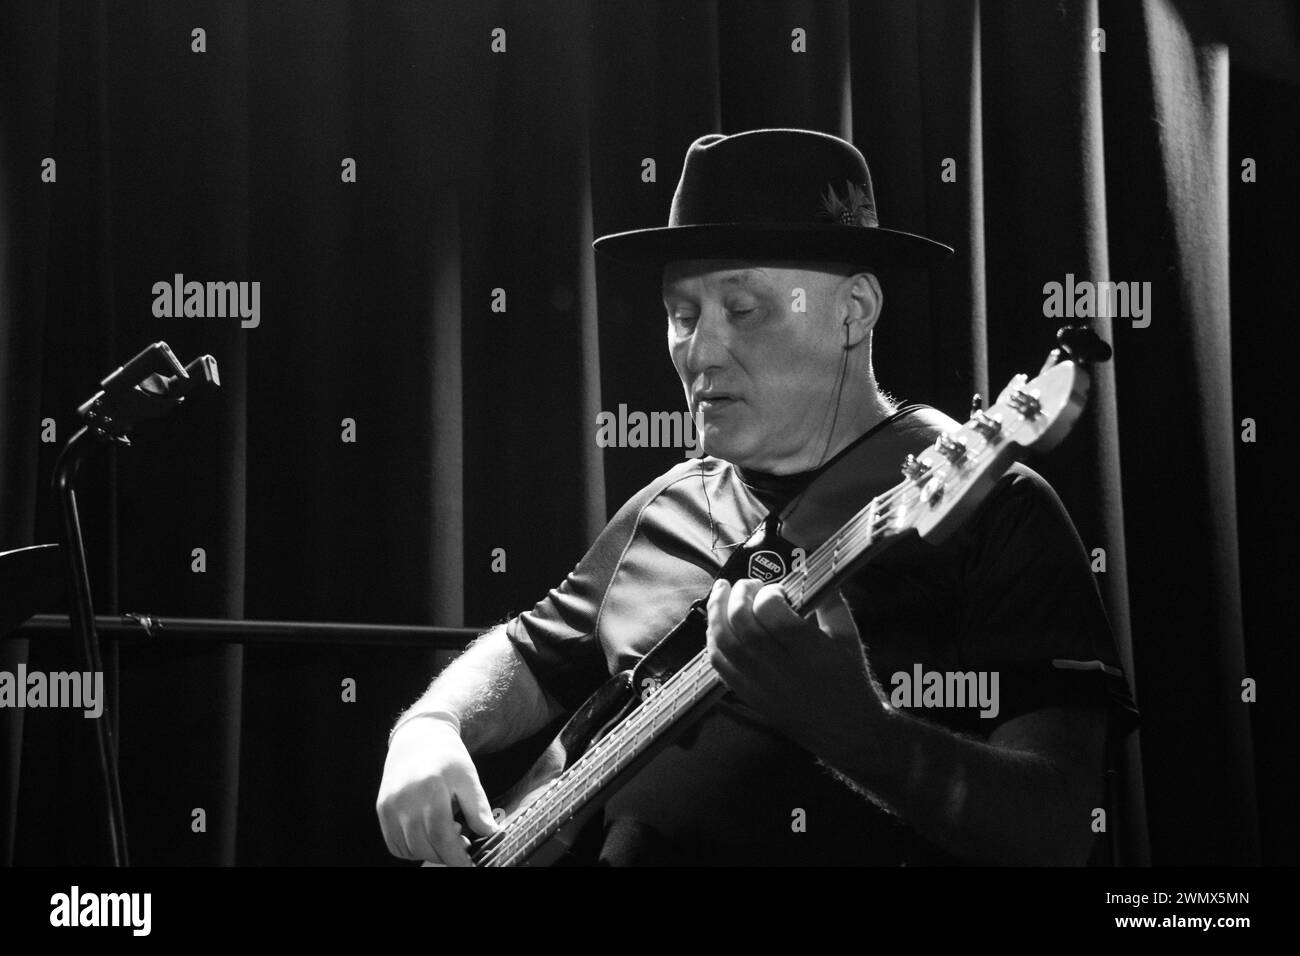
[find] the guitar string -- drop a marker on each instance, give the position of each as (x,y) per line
(562,787)
(616,741)
(863,524)
(632,727)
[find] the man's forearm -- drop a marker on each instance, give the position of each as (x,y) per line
(491,692)
(977,800)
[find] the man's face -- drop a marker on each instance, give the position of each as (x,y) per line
(760,377)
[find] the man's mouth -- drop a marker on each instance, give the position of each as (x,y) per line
(712,401)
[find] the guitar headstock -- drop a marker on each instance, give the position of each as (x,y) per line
(947,480)
(944,483)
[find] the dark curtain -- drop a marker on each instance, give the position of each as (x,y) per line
(475,429)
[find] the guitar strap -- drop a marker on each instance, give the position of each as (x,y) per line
(868,467)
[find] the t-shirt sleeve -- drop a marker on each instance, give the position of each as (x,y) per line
(557,638)
(1032,610)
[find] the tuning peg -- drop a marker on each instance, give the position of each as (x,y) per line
(1083,344)
(976,404)
(950,448)
(914,468)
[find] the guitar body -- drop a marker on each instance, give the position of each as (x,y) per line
(601,711)
(609,706)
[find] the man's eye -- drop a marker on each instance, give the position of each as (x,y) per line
(684,322)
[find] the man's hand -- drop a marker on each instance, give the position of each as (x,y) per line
(1023,797)
(811,683)
(428,775)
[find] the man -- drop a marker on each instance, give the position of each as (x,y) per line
(769,268)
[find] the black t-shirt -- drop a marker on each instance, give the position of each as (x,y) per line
(1011,592)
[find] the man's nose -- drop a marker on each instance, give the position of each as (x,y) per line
(708,347)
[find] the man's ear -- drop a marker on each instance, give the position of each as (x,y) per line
(863,300)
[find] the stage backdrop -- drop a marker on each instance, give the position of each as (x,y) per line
(406,429)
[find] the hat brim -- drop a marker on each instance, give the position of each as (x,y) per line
(817,242)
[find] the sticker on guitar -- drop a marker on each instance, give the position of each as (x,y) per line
(766,566)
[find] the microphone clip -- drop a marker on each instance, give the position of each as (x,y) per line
(147,387)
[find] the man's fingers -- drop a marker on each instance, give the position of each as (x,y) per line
(474,806)
(393,824)
(396,841)
(420,835)
(425,782)
(737,638)
(730,618)
(717,607)
(772,612)
(386,829)
(740,605)
(446,839)
(835,619)
(732,677)
(718,597)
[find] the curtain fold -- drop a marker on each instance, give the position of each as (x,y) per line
(1168,225)
(409,433)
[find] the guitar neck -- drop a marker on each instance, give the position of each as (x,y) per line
(863,536)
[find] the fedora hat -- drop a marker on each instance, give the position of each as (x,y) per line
(774,194)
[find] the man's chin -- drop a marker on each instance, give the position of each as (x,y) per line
(737,453)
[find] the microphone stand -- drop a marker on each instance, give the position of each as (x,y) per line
(149,386)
